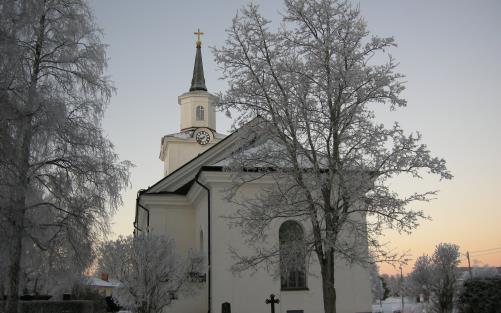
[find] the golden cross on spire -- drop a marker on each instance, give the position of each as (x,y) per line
(198,33)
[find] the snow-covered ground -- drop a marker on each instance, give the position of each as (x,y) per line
(394,305)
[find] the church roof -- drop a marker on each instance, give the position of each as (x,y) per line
(198,80)
(255,156)
(189,134)
(240,145)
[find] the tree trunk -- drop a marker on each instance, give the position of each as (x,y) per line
(15,258)
(20,188)
(18,210)
(328,288)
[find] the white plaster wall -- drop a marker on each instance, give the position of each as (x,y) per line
(175,223)
(200,203)
(179,223)
(179,152)
(198,198)
(189,101)
(198,301)
(247,291)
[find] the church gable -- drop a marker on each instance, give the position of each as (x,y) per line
(215,157)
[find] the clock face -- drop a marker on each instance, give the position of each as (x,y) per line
(202,137)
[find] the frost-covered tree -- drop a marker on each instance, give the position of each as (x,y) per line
(445,260)
(392,283)
(436,277)
(54,270)
(150,273)
(315,82)
(377,288)
(421,277)
(60,179)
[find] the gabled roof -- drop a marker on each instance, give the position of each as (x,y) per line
(183,176)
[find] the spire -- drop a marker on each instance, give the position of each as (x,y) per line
(198,80)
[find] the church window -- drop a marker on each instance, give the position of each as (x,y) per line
(200,113)
(292,256)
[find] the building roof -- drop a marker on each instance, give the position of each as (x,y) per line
(189,134)
(97,282)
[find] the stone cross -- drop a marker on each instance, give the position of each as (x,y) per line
(272,301)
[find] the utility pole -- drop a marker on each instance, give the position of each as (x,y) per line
(402,287)
(469,266)
(381,295)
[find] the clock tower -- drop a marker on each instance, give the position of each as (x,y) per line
(198,121)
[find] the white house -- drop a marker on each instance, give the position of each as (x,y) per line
(189,202)
(103,285)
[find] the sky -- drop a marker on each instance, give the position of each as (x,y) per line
(449,50)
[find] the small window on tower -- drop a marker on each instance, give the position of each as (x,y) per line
(200,113)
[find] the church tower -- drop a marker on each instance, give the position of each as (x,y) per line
(198,121)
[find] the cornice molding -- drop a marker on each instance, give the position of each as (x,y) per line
(165,199)
(195,192)
(218,177)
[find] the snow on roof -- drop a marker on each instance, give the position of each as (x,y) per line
(248,153)
(181,135)
(256,156)
(220,136)
(94,281)
(189,134)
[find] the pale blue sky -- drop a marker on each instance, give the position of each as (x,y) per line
(449,50)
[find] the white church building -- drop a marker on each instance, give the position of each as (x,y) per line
(189,203)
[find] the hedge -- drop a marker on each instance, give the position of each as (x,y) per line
(480,295)
(41,306)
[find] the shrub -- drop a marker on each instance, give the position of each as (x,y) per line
(481,295)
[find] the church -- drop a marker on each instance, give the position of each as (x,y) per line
(187,205)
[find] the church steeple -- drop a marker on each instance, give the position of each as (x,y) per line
(198,80)
(197,105)
(198,121)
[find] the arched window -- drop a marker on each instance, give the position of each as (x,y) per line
(292,256)
(200,113)
(201,243)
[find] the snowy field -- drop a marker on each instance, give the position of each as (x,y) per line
(394,305)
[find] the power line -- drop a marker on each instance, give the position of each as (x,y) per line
(486,253)
(485,250)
